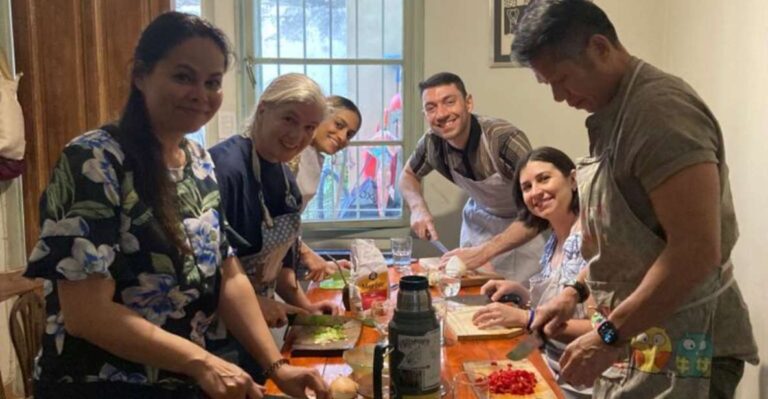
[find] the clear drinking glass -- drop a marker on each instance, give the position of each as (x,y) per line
(470,385)
(441,310)
(450,283)
(381,313)
(401,247)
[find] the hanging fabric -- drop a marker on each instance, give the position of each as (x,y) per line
(11,123)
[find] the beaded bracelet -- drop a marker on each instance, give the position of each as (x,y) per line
(274,366)
(596,317)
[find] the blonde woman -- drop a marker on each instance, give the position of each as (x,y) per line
(262,202)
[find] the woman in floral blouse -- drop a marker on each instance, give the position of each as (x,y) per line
(547,197)
(137,268)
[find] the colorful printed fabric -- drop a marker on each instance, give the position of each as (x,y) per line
(572,261)
(95,223)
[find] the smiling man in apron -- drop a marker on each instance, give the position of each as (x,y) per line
(479,155)
(657,218)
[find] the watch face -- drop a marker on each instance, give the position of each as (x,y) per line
(608,333)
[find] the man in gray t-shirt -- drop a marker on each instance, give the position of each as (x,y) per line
(657,218)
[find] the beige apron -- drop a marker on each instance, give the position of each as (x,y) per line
(488,212)
(277,236)
(674,358)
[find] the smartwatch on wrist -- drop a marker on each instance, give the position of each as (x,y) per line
(608,332)
(581,289)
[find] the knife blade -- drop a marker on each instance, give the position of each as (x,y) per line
(480,300)
(471,300)
(325,320)
(318,320)
(439,245)
(526,346)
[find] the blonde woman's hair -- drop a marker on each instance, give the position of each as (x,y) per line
(288,88)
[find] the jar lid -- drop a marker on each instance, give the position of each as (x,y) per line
(414,283)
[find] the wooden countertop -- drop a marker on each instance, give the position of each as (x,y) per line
(454,353)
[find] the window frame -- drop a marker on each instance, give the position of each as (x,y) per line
(413,122)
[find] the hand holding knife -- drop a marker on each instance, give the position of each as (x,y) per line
(437,244)
(524,348)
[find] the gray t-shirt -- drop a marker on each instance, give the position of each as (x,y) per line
(667,128)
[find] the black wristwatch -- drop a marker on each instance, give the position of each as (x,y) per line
(608,332)
(581,289)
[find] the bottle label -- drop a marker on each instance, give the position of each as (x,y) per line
(420,367)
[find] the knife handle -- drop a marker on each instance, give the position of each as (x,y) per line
(509,298)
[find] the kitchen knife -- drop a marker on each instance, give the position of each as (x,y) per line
(318,320)
(480,300)
(471,300)
(325,320)
(439,245)
(526,346)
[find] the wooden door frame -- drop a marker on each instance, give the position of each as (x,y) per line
(99,65)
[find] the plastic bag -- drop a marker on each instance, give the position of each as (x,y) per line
(369,275)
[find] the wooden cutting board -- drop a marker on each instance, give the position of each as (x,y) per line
(486,367)
(302,338)
(460,322)
(473,278)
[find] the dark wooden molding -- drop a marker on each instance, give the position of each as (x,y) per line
(75,56)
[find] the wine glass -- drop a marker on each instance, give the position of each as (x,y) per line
(469,384)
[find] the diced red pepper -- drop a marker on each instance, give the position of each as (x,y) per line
(512,381)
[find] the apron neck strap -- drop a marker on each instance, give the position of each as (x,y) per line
(618,125)
(488,150)
(256,167)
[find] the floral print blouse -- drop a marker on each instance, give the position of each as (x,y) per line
(572,261)
(95,223)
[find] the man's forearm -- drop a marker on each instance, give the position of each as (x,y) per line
(410,189)
(687,206)
(667,283)
(515,235)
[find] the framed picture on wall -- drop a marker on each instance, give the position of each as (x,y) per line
(505,15)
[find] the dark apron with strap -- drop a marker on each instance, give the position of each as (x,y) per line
(674,358)
(277,236)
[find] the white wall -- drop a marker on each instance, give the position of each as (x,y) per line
(721,49)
